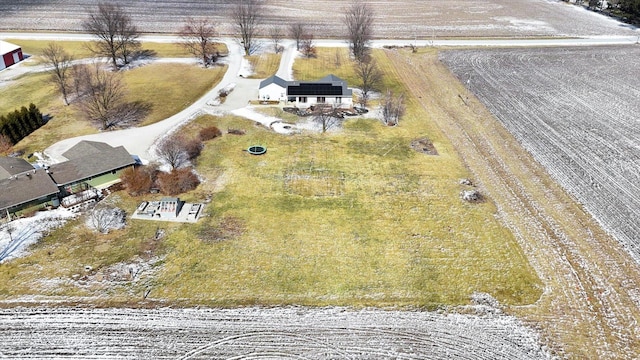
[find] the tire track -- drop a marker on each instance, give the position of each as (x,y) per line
(254,333)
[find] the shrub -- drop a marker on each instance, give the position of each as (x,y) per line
(193,148)
(139,180)
(178,181)
(209,133)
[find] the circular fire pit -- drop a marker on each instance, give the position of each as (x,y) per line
(257,150)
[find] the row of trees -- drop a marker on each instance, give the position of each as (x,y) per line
(117,36)
(101,95)
(17,124)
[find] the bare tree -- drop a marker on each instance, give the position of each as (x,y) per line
(128,38)
(172,150)
(307,46)
(327,116)
(106,216)
(103,98)
(297,32)
(81,73)
(247,17)
(117,36)
(276,35)
(60,62)
(370,77)
(358,19)
(198,39)
(393,108)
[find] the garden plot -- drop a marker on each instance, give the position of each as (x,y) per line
(396,19)
(575,110)
(251,333)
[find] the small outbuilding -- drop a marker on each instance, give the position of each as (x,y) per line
(10,54)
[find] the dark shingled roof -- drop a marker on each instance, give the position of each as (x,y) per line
(26,187)
(274,80)
(12,166)
(85,147)
(88,159)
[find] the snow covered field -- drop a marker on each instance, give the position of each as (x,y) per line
(576,111)
(423,19)
(259,333)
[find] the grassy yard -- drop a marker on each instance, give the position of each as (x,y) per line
(79,48)
(351,218)
(264,65)
(354,217)
(169,88)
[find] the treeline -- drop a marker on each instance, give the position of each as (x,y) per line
(630,7)
(626,10)
(16,125)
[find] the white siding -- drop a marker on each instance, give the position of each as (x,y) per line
(272,92)
(341,102)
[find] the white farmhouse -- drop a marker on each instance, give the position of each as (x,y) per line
(330,90)
(273,88)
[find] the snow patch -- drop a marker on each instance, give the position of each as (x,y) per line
(18,235)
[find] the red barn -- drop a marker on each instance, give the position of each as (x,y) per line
(9,54)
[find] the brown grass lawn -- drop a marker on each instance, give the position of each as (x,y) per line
(264,65)
(80,49)
(354,217)
(169,88)
(351,218)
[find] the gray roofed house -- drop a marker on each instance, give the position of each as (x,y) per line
(273,88)
(12,166)
(89,159)
(85,148)
(92,166)
(329,90)
(26,188)
(274,80)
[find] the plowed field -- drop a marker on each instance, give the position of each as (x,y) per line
(395,19)
(591,306)
(255,333)
(576,110)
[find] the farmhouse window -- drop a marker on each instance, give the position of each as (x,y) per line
(302,99)
(321,100)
